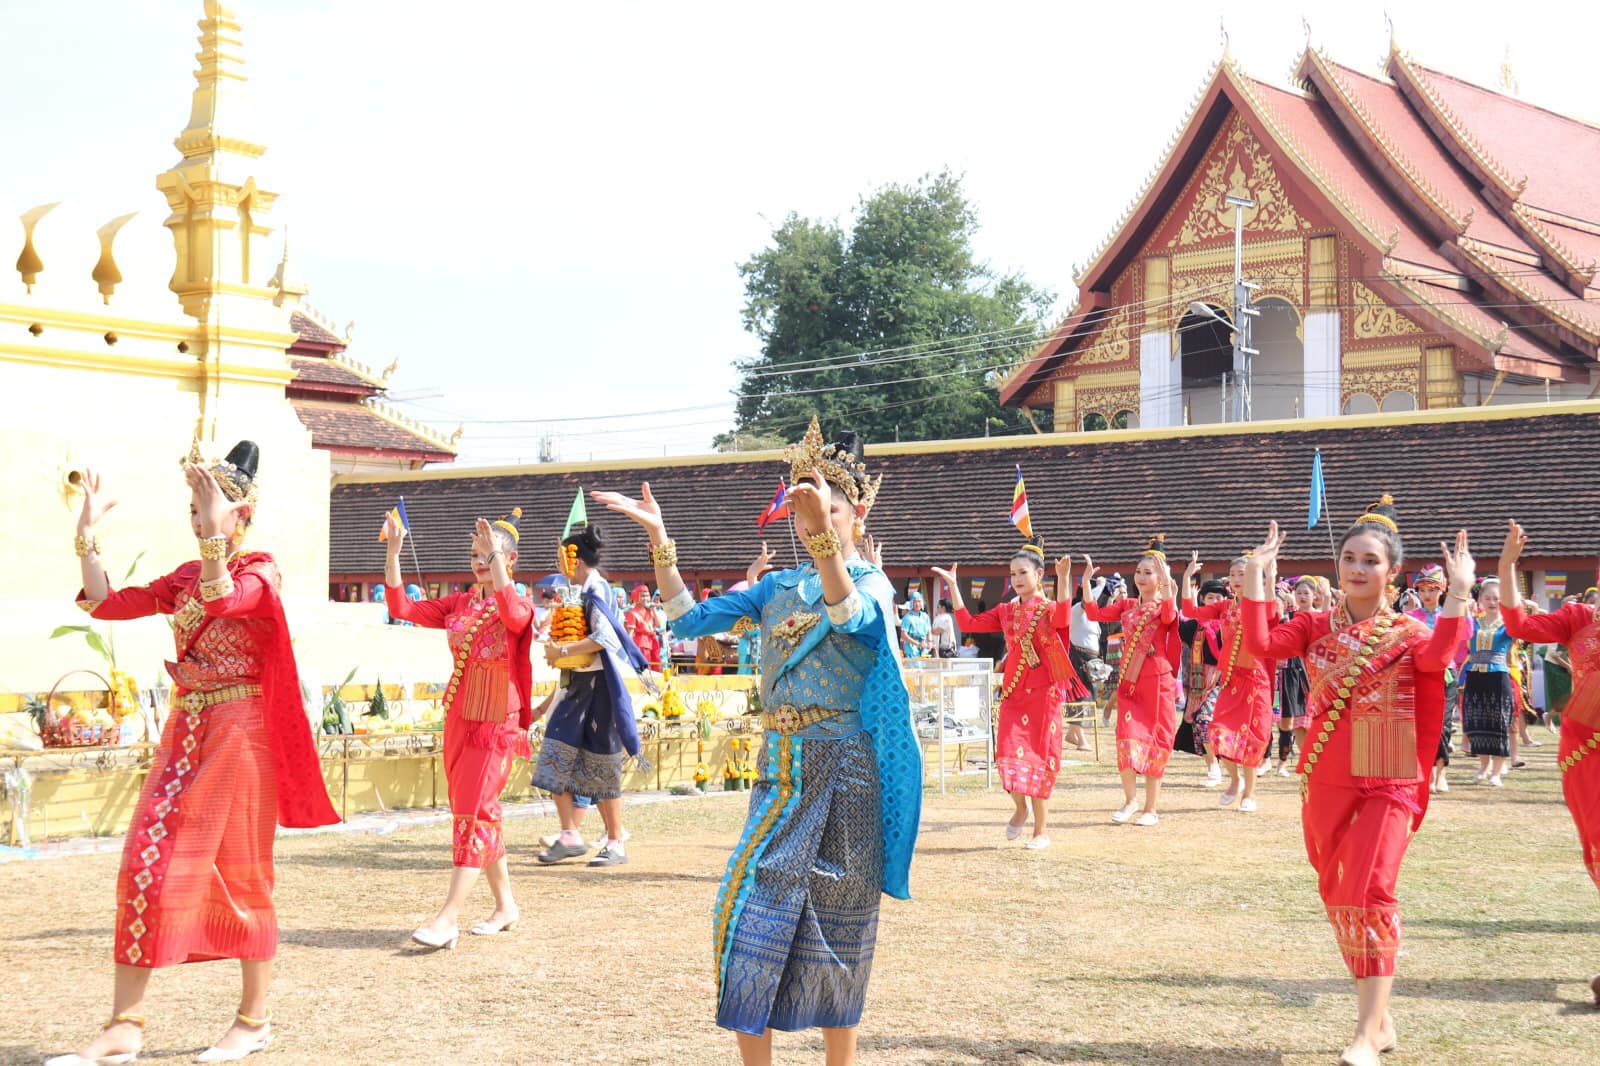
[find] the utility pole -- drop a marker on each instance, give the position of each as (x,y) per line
(1243,313)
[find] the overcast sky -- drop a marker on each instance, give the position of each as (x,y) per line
(540,208)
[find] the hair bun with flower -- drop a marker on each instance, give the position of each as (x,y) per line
(1383,513)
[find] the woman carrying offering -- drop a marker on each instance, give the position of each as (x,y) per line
(1039,678)
(1147,685)
(235,758)
(833,818)
(1241,725)
(488,708)
(1377,706)
(1576,627)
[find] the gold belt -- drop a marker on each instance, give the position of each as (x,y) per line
(195,702)
(790,720)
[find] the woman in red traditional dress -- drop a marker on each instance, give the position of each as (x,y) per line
(1242,723)
(236,757)
(1147,684)
(640,622)
(488,708)
(1377,708)
(1038,679)
(1576,627)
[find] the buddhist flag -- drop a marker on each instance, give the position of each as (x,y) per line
(1319,492)
(1019,506)
(398,513)
(977,587)
(578,515)
(778,508)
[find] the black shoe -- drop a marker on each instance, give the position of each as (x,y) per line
(608,856)
(559,852)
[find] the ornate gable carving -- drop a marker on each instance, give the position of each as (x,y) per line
(1374,318)
(1237,164)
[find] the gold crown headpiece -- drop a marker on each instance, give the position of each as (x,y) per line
(510,527)
(1032,549)
(1371,514)
(236,484)
(842,469)
(1158,546)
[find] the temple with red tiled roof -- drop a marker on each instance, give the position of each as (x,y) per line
(338,399)
(1414,241)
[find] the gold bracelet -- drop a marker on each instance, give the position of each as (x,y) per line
(214,549)
(825,544)
(84,545)
(216,590)
(664,556)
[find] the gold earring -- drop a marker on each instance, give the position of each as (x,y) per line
(858,529)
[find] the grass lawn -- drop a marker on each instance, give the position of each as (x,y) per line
(1198,941)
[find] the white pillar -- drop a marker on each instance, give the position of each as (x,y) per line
(1322,385)
(1160,384)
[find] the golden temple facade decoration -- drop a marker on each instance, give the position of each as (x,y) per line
(1374,318)
(1243,169)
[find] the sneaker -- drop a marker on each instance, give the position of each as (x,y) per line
(1247,806)
(604,840)
(1444,783)
(559,852)
(1284,771)
(609,856)
(1495,782)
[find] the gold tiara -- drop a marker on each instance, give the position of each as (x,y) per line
(1029,546)
(1369,515)
(501,523)
(235,484)
(840,468)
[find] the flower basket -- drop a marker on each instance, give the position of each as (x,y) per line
(71,733)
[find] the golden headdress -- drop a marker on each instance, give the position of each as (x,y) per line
(1033,546)
(1158,547)
(236,474)
(510,526)
(1383,513)
(842,464)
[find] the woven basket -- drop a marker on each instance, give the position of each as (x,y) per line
(72,734)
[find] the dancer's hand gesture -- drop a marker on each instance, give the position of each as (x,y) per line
(1265,555)
(1193,568)
(872,548)
(762,564)
(211,505)
(1088,575)
(1063,570)
(644,510)
(810,501)
(393,534)
(947,576)
(1461,568)
(1516,540)
(96,505)
(482,539)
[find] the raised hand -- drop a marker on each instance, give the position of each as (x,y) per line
(1193,568)
(212,505)
(1089,572)
(1459,566)
(1265,555)
(1063,570)
(873,550)
(644,510)
(763,563)
(393,534)
(947,576)
(96,504)
(810,501)
(1516,540)
(483,538)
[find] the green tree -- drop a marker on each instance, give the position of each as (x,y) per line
(893,328)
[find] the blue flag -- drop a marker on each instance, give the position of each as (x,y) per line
(1319,492)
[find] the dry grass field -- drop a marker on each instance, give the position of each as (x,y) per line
(1198,941)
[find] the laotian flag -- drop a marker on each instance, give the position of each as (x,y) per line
(1019,506)
(778,508)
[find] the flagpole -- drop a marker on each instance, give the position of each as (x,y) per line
(1328,517)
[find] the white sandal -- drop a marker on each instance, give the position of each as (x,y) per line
(1148,818)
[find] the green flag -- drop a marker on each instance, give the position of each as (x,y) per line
(578,514)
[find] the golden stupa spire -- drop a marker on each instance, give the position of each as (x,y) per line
(217,207)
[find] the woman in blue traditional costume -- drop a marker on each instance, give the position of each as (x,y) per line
(833,819)
(591,728)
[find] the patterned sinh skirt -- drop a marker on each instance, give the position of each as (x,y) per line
(797,914)
(582,752)
(1488,707)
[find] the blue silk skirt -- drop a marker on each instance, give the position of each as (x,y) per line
(797,914)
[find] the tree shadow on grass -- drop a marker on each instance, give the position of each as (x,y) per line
(58,934)
(1024,1051)
(343,939)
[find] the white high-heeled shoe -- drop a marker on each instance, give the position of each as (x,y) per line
(446,939)
(263,1026)
(489,927)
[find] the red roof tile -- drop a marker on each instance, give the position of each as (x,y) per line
(313,332)
(350,425)
(312,369)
